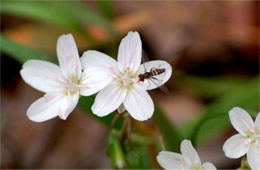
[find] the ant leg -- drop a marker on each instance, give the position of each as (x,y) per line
(156,78)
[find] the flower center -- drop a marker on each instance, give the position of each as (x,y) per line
(126,80)
(254,138)
(70,87)
(196,167)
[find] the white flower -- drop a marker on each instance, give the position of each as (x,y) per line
(248,139)
(62,85)
(123,85)
(189,159)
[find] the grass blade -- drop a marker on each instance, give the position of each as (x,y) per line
(169,132)
(19,52)
(215,119)
(39,11)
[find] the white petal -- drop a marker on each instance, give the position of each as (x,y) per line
(161,78)
(99,61)
(41,75)
(241,120)
(68,57)
(139,104)
(130,52)
(67,105)
(93,80)
(170,160)
(253,157)
(189,154)
(208,166)
(257,123)
(47,107)
(236,146)
(108,99)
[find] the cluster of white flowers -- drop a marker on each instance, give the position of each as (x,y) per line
(119,85)
(246,142)
(118,82)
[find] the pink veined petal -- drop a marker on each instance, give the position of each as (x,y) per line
(41,75)
(170,160)
(241,120)
(253,157)
(159,79)
(68,57)
(45,108)
(99,61)
(108,99)
(208,166)
(139,104)
(93,80)
(189,154)
(130,52)
(236,146)
(257,123)
(67,105)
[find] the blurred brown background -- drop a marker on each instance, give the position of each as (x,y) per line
(202,38)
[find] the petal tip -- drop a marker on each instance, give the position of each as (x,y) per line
(32,118)
(63,117)
(69,35)
(234,110)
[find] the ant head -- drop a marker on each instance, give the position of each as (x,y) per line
(141,77)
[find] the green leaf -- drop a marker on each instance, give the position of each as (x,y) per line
(115,151)
(133,152)
(19,52)
(138,157)
(40,11)
(215,119)
(214,126)
(203,86)
(170,134)
(137,152)
(83,15)
(105,7)
(86,102)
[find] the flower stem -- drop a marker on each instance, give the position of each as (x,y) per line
(244,164)
(126,128)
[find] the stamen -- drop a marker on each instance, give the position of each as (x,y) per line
(126,79)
